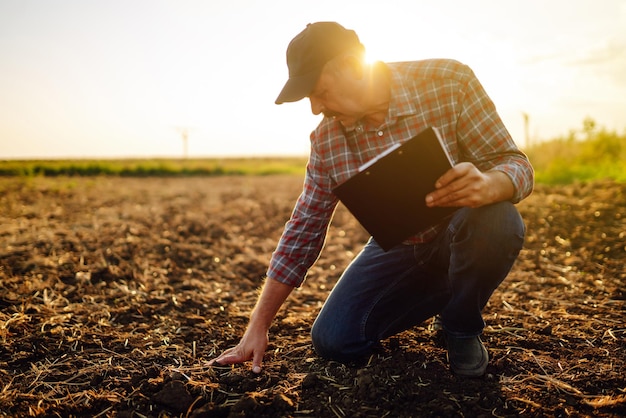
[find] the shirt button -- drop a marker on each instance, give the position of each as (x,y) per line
(379,133)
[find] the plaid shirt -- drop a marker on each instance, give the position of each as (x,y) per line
(440,93)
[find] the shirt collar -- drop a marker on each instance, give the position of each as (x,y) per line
(402,100)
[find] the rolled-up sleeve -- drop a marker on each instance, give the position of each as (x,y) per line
(486,142)
(303,237)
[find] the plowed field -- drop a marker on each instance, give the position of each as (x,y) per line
(115,293)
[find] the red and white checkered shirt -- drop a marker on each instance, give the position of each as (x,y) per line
(432,93)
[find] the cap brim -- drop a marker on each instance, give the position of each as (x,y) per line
(297,88)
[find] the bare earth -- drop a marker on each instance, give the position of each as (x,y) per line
(115,293)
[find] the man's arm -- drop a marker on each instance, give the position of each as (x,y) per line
(254,341)
(484,141)
(298,248)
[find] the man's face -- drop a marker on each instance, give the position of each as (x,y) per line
(337,95)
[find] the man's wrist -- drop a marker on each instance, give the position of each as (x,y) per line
(272,297)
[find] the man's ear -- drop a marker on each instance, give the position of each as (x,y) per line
(354,65)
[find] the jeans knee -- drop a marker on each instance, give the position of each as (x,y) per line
(500,223)
(332,343)
(488,238)
(325,345)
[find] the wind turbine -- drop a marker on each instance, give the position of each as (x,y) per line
(526,117)
(184,133)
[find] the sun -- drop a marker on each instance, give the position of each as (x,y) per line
(385,46)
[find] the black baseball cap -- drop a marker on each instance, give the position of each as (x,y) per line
(307,54)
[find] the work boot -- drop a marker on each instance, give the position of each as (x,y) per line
(467,356)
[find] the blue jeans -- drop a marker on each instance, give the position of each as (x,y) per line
(383,293)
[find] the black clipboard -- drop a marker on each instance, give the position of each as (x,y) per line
(387,195)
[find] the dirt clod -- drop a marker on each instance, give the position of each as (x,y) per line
(174,395)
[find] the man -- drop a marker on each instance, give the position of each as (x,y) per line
(449,270)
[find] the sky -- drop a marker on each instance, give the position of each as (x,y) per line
(124,78)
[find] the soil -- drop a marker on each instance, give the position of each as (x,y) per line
(115,293)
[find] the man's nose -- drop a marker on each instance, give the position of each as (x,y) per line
(316,106)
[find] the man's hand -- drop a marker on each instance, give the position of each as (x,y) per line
(251,347)
(464,185)
(254,341)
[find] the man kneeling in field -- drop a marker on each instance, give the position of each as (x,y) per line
(449,270)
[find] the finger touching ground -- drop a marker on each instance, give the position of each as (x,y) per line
(256,362)
(230,356)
